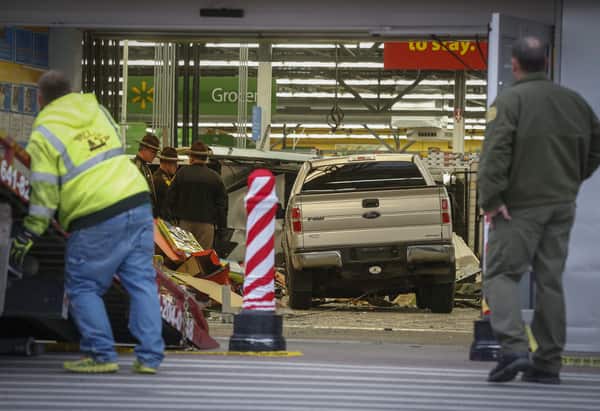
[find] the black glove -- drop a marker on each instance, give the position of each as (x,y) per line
(221,234)
(223,245)
(21,245)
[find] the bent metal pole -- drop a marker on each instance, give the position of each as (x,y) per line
(257,327)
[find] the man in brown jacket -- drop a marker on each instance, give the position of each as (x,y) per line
(542,141)
(197,197)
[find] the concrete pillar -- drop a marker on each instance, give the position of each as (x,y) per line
(460,89)
(579,52)
(66,53)
(264,88)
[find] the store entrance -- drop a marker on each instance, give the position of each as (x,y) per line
(333,95)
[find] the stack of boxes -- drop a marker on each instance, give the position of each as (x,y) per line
(473,207)
(440,163)
(440,159)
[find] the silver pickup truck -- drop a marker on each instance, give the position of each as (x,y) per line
(369,224)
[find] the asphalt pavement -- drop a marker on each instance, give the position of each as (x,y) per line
(329,375)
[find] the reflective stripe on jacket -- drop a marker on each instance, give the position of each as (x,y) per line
(77,163)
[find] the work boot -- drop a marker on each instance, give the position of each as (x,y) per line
(540,376)
(140,368)
(509,365)
(88,365)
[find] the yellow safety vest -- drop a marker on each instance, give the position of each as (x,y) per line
(77,162)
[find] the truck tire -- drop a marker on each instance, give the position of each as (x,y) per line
(300,300)
(442,298)
(299,287)
(423,297)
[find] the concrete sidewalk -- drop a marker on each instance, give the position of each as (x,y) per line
(362,323)
(330,375)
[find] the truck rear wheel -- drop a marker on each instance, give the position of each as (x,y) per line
(442,298)
(299,287)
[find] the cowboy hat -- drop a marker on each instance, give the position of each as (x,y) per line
(150,141)
(168,154)
(198,148)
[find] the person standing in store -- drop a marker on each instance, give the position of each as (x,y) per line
(197,197)
(80,172)
(148,149)
(162,180)
(542,141)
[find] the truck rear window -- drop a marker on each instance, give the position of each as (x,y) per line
(364,176)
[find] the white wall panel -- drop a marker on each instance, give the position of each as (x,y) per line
(66,54)
(579,70)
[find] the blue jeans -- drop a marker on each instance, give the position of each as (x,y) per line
(122,245)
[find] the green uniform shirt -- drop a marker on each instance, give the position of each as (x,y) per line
(161,182)
(542,141)
(78,167)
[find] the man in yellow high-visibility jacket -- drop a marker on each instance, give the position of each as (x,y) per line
(80,172)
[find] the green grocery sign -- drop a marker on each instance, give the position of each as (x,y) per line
(218,95)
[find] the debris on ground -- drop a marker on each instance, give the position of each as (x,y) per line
(467,294)
(200,271)
(468,267)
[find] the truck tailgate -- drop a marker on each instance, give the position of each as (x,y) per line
(371,217)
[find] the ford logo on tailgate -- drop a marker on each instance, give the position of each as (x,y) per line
(371,214)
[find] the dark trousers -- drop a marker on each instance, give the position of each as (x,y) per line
(204,232)
(536,239)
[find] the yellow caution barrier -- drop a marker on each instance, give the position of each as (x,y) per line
(242,353)
(69,347)
(567,360)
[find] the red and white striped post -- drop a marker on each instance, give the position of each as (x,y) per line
(261,205)
(257,327)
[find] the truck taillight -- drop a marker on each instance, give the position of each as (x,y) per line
(296,220)
(445,212)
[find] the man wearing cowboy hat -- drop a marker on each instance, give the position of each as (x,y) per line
(162,180)
(197,197)
(149,148)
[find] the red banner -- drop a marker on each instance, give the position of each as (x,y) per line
(14,168)
(435,55)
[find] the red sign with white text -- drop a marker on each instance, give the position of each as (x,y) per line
(434,55)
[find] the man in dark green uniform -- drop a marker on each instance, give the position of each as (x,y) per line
(162,180)
(148,149)
(542,141)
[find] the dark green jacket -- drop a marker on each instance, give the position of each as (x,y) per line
(542,141)
(141,164)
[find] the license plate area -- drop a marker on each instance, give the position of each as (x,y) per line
(375,253)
